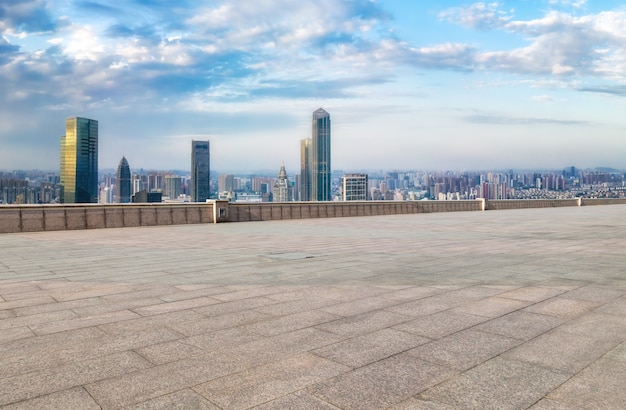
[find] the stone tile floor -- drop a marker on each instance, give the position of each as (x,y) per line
(499,309)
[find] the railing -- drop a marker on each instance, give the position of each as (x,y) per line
(35,218)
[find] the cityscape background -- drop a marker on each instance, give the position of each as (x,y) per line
(79,179)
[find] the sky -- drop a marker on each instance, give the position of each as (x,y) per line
(445,85)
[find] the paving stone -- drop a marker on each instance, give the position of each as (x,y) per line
(520,325)
(412,293)
(614,307)
(235,306)
(491,307)
(31,320)
(298,400)
(419,403)
(174,306)
(204,325)
(284,324)
(276,347)
(599,386)
(380,384)
(364,323)
(497,384)
(81,322)
(440,324)
(142,385)
(601,294)
(464,349)
(532,293)
(618,353)
(363,350)
(76,398)
(562,307)
(18,303)
(552,352)
(222,339)
(264,383)
(355,307)
(30,385)
(378,274)
(180,400)
(547,404)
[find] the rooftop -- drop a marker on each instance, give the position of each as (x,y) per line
(505,309)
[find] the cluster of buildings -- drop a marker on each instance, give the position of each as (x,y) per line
(79,182)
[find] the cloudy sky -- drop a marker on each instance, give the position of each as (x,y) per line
(409,84)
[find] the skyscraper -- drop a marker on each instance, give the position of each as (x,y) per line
(200,163)
(320,158)
(305,169)
(123,184)
(79,161)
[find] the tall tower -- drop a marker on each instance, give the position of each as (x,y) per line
(305,169)
(123,186)
(200,162)
(320,158)
(79,161)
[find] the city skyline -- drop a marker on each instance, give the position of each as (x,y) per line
(448,85)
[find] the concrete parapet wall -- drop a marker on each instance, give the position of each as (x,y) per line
(305,210)
(494,205)
(36,218)
(603,201)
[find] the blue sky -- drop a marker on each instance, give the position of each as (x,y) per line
(409,85)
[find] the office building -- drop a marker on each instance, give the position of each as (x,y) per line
(173,186)
(123,184)
(354,187)
(304,186)
(79,161)
(282,191)
(226,183)
(200,176)
(320,158)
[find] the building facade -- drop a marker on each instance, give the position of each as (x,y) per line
(354,187)
(173,186)
(320,158)
(304,187)
(200,174)
(123,191)
(79,161)
(282,190)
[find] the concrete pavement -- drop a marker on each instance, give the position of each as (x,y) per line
(503,309)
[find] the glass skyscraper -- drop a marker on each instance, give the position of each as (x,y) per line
(79,161)
(200,162)
(305,169)
(123,184)
(320,158)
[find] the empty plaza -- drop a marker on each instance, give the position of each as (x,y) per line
(510,309)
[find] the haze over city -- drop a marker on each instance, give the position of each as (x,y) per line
(447,85)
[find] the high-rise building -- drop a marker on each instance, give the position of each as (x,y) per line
(173,186)
(123,184)
(320,158)
(282,191)
(200,177)
(226,182)
(305,169)
(79,161)
(354,187)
